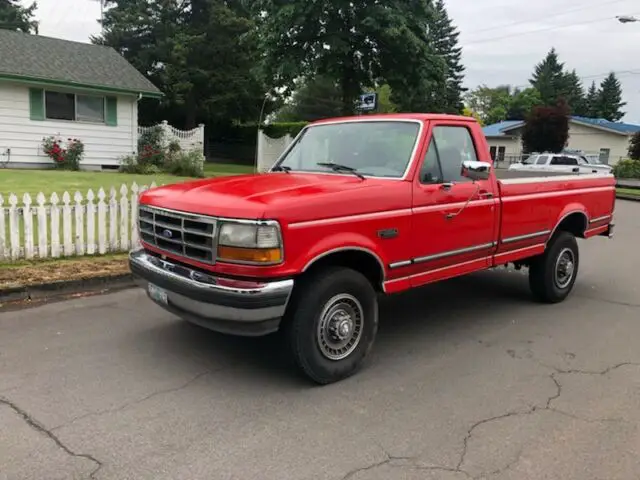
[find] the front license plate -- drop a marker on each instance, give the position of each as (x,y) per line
(157,294)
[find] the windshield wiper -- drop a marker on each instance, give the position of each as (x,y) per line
(336,167)
(282,168)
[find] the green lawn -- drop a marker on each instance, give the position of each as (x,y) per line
(33,182)
(629,191)
(49,181)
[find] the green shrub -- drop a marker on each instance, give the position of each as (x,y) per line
(627,169)
(185,164)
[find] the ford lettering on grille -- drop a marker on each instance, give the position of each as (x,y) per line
(185,234)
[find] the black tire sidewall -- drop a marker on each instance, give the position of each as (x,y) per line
(551,291)
(317,289)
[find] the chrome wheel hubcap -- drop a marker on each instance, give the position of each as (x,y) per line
(340,327)
(565,268)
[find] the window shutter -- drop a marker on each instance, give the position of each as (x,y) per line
(36,104)
(112,111)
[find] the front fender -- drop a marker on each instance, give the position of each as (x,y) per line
(340,242)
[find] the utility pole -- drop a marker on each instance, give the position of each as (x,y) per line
(102,2)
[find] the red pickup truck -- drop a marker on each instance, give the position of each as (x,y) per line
(354,208)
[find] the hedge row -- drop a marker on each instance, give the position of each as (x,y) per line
(627,169)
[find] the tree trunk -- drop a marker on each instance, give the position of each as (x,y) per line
(350,88)
(191,112)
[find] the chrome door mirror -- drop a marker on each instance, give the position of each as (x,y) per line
(475,170)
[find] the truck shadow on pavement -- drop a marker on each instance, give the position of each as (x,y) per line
(433,314)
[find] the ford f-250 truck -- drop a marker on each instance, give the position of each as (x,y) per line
(354,208)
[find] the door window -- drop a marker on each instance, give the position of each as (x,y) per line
(453,146)
(431,171)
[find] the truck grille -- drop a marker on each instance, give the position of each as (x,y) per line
(187,235)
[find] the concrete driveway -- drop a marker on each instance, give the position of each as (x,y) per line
(468,379)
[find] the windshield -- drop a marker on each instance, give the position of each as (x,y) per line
(374,148)
(530,160)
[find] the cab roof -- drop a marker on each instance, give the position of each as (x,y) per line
(397,116)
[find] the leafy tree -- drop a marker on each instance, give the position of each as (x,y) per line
(14,16)
(467,112)
(385,105)
(444,38)
(358,43)
(490,104)
(315,99)
(591,101)
(610,104)
(200,53)
(522,103)
(547,128)
(493,105)
(634,147)
(550,79)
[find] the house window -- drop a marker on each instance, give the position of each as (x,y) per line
(77,108)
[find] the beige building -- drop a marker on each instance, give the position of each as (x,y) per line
(608,141)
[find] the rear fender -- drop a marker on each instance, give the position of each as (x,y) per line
(566,218)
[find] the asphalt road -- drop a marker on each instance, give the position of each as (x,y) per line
(468,379)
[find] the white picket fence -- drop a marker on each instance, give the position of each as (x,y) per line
(62,226)
(270,149)
(187,139)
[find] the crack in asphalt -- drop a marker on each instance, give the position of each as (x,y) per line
(612,302)
(531,410)
(37,426)
(137,401)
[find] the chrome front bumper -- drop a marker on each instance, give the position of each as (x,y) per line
(245,308)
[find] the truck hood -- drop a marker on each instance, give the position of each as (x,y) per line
(255,196)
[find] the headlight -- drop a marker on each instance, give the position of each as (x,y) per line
(249,243)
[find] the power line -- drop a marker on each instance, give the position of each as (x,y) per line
(546,17)
(546,29)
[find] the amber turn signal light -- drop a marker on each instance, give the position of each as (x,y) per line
(250,255)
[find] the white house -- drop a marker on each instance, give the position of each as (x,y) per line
(608,140)
(53,87)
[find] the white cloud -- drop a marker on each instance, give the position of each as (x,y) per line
(496,50)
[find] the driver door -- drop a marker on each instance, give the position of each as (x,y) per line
(454,219)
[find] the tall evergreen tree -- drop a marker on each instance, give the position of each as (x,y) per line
(358,43)
(610,104)
(200,53)
(550,79)
(14,16)
(591,101)
(574,94)
(444,37)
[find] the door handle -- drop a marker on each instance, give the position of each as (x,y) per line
(485,194)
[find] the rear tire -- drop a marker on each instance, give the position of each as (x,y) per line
(553,274)
(331,323)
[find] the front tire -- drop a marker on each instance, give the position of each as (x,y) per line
(553,274)
(331,323)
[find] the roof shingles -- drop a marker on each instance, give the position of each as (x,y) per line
(34,57)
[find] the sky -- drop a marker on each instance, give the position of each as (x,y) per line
(502,40)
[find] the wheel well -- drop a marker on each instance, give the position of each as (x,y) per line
(358,260)
(575,223)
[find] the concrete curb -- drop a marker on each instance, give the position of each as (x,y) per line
(45,291)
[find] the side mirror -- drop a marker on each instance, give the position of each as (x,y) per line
(475,170)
